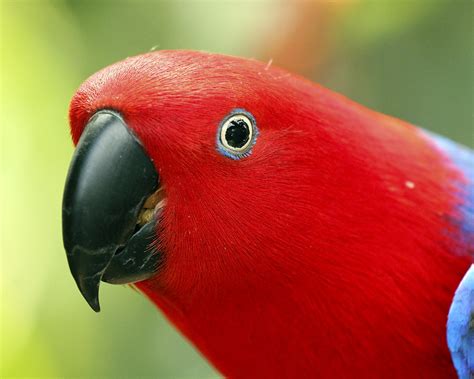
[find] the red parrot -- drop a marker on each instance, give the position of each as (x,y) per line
(285,230)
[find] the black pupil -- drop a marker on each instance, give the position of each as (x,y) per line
(237,134)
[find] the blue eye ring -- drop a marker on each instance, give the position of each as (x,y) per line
(245,120)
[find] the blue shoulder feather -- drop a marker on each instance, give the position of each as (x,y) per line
(462,158)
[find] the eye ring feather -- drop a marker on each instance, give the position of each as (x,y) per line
(237,134)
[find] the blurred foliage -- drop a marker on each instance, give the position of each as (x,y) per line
(411,59)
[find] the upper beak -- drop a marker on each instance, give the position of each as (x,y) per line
(109,178)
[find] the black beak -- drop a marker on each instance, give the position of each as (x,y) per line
(109,178)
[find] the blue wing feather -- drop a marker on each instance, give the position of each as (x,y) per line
(461,158)
(460,327)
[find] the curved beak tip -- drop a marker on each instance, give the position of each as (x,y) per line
(94,304)
(89,288)
(91,294)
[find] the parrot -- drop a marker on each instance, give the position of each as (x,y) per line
(282,228)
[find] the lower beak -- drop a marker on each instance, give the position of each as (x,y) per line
(109,179)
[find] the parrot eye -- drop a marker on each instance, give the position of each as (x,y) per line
(237,134)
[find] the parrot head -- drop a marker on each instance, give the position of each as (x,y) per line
(184,173)
(268,217)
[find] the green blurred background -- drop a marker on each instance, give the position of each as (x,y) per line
(411,59)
